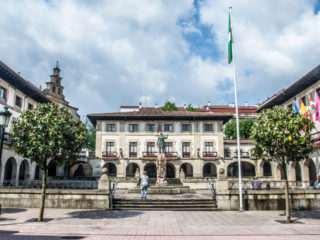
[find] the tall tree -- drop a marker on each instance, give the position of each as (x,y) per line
(284,137)
(91,134)
(45,134)
(245,126)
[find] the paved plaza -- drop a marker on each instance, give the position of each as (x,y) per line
(98,224)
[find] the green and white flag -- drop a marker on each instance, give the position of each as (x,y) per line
(230,40)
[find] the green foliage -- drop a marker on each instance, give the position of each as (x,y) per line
(245,126)
(91,134)
(190,108)
(169,106)
(49,133)
(282,136)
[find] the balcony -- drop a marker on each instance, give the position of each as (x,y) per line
(242,154)
(171,155)
(186,154)
(133,155)
(209,155)
(110,155)
(149,155)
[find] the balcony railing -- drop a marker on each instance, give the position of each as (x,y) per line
(171,155)
(133,154)
(185,154)
(209,154)
(149,154)
(242,154)
(111,155)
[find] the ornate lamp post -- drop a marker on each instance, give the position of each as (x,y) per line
(4,121)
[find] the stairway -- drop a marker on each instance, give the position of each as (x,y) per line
(165,204)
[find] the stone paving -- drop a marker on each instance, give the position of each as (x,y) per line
(160,225)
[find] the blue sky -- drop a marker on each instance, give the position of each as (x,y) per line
(121,52)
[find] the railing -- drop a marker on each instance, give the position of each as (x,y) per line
(133,154)
(7,139)
(227,154)
(234,185)
(242,154)
(149,154)
(315,137)
(209,154)
(186,154)
(171,154)
(109,154)
(53,184)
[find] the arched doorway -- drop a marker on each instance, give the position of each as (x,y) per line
(267,169)
(10,171)
(81,169)
(131,170)
(170,171)
(112,169)
(188,169)
(23,171)
(247,169)
(37,173)
(209,170)
(298,172)
(312,172)
(151,169)
(52,169)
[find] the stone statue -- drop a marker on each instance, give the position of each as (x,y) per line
(161,142)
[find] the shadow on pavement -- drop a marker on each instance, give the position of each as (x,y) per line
(304,214)
(13,210)
(13,235)
(102,214)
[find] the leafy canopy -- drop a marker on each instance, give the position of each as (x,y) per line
(91,134)
(245,126)
(169,106)
(282,136)
(190,108)
(49,133)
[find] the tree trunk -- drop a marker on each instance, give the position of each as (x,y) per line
(43,195)
(286,184)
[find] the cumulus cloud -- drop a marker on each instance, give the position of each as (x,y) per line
(120,52)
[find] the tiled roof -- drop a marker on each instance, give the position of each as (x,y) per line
(295,88)
(23,85)
(158,114)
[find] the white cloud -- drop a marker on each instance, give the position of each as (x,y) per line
(120,52)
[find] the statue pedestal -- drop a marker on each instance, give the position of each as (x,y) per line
(161,170)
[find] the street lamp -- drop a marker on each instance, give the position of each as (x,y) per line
(4,122)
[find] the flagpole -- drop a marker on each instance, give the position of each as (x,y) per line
(237,121)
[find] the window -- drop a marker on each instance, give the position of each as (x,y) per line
(133,149)
(208,127)
(168,128)
(209,147)
(30,106)
(226,153)
(150,147)
(3,93)
(185,127)
(18,101)
(59,90)
(151,127)
(111,127)
(133,127)
(168,147)
(53,89)
(57,81)
(185,149)
(110,147)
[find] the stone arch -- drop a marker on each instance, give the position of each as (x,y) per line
(52,169)
(151,170)
(37,172)
(170,170)
(312,172)
(188,169)
(279,172)
(81,169)
(131,170)
(112,169)
(10,172)
(24,170)
(296,172)
(267,169)
(247,169)
(209,170)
